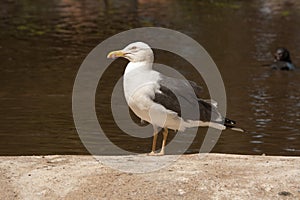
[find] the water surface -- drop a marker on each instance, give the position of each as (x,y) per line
(43,43)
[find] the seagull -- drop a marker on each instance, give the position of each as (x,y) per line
(164,102)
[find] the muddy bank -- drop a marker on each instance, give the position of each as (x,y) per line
(216,176)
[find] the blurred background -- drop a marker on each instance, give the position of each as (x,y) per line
(43,43)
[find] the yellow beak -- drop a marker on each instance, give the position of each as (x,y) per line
(116,54)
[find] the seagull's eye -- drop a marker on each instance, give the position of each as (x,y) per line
(133,48)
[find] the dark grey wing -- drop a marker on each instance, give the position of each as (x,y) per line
(175,84)
(197,89)
(182,97)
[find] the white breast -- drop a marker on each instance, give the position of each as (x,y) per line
(140,85)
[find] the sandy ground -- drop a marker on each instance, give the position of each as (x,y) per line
(211,176)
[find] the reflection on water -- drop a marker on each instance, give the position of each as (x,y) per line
(43,43)
(274,100)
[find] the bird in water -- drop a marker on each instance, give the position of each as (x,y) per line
(162,101)
(282,60)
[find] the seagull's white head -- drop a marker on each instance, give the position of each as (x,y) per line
(134,52)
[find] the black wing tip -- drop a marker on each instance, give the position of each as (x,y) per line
(229,121)
(231,124)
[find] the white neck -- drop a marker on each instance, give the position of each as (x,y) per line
(133,66)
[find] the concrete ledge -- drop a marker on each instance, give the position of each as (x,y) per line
(213,176)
